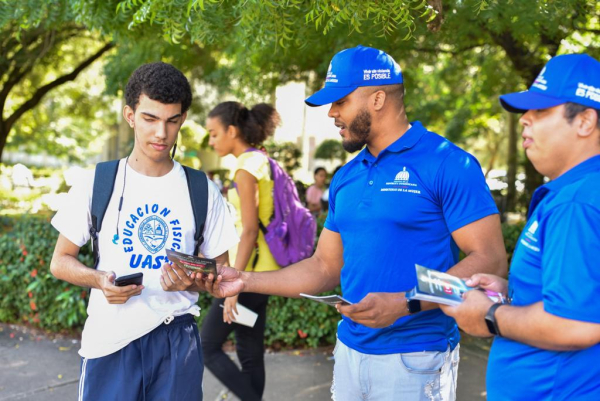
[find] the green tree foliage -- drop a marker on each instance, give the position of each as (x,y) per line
(331,149)
(287,154)
(458,55)
(41,48)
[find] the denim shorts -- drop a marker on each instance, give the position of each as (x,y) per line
(414,376)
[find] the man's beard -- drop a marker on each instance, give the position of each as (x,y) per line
(359,131)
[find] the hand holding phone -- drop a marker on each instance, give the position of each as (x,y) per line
(118,290)
(136,278)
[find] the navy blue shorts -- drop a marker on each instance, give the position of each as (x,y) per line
(165,364)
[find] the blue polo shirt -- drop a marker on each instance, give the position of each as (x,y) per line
(393,211)
(556,262)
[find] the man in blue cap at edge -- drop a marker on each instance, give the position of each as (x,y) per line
(409,197)
(547,339)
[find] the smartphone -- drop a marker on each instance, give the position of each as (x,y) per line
(135,278)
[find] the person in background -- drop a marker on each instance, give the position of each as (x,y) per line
(314,193)
(235,130)
(215,178)
(325,196)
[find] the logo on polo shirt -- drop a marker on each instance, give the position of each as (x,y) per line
(530,233)
(530,239)
(402,175)
(401,183)
(533,227)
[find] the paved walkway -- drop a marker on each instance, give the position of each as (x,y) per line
(35,367)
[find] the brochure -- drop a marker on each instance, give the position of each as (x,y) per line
(327,299)
(443,288)
(192,262)
(244,316)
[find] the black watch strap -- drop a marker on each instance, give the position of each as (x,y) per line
(490,320)
(413,305)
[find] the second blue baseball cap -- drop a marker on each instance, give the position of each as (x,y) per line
(353,68)
(568,78)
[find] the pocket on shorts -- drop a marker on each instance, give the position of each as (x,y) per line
(426,363)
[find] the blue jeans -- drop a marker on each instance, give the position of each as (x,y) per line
(414,376)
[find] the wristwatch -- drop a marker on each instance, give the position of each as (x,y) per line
(490,320)
(413,306)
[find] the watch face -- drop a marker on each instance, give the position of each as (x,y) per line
(490,320)
(414,306)
(491,326)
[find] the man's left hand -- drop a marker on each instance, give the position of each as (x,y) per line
(377,309)
(174,278)
(470,314)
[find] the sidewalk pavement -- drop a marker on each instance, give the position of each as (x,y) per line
(36,367)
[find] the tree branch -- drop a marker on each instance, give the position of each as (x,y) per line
(436,50)
(39,94)
(436,23)
(23,60)
(594,31)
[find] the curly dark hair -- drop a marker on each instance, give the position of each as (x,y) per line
(255,125)
(161,82)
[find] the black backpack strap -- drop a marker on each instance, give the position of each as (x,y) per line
(104,182)
(198,187)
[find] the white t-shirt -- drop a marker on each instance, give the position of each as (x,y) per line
(156,215)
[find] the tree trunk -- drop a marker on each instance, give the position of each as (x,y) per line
(511,173)
(3,137)
(533,180)
(9,122)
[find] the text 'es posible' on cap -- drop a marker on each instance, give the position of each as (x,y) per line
(353,68)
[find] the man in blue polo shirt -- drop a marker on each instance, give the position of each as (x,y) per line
(409,197)
(547,340)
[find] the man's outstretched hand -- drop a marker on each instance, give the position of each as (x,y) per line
(376,309)
(227,284)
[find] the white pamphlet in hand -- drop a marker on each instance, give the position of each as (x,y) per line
(328,299)
(244,316)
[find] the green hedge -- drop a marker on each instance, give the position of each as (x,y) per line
(30,294)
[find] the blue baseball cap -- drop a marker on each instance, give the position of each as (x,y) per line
(568,78)
(353,68)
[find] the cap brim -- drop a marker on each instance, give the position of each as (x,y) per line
(520,102)
(328,95)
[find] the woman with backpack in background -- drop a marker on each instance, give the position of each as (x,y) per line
(233,129)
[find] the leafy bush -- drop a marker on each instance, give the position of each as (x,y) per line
(30,294)
(511,233)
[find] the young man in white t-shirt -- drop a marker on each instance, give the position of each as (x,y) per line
(141,342)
